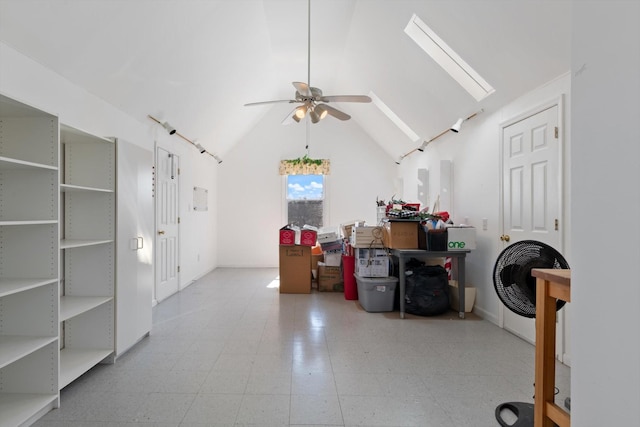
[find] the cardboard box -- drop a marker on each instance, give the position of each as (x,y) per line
(306,237)
(295,269)
(326,236)
(469,297)
(367,237)
(347,228)
(372,267)
(331,246)
(332,259)
(461,238)
(287,236)
(330,279)
(432,240)
(401,234)
(370,253)
(315,259)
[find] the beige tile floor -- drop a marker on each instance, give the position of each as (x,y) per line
(230,350)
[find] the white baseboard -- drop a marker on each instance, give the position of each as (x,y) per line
(486,315)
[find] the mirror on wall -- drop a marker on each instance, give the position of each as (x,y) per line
(423,187)
(446,188)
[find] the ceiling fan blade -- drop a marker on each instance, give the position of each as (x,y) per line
(335,112)
(289,101)
(345,98)
(302,88)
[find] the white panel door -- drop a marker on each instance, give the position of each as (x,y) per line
(531,192)
(134,275)
(167,224)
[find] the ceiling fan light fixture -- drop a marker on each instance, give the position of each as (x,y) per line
(300,112)
(321,110)
(315,117)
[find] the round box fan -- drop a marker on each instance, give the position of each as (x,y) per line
(516,288)
(512,278)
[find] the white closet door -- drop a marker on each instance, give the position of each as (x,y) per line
(134,277)
(531,186)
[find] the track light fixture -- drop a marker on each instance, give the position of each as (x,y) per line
(169,128)
(218,159)
(455,128)
(172,131)
(165,125)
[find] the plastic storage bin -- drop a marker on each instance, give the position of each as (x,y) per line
(376,294)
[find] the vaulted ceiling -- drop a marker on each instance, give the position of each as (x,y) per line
(195,63)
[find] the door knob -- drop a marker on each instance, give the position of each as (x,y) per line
(160,231)
(505,238)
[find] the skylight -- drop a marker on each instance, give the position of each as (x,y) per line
(450,61)
(393,117)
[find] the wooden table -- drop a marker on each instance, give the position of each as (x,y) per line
(551,284)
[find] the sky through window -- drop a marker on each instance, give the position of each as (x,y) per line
(305,187)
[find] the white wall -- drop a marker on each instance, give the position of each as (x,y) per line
(605,292)
(31,83)
(475,156)
(251,192)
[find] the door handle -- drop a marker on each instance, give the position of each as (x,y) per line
(505,238)
(160,231)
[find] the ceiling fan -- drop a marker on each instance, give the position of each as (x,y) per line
(313,101)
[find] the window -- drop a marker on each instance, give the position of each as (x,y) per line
(305,200)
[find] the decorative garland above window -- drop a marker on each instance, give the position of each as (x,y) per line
(305,166)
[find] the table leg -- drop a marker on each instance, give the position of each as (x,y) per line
(401,265)
(461,285)
(545,362)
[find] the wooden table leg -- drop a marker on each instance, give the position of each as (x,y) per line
(545,367)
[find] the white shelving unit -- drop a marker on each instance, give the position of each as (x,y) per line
(87,252)
(29,271)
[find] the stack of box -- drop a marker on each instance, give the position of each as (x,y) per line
(295,259)
(329,271)
(400,234)
(293,235)
(367,237)
(371,262)
(295,269)
(376,289)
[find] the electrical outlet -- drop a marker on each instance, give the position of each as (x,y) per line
(485,224)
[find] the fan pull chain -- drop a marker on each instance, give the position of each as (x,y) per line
(308,136)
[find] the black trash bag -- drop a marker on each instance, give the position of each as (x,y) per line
(426,292)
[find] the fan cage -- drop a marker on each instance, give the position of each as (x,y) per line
(512,278)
